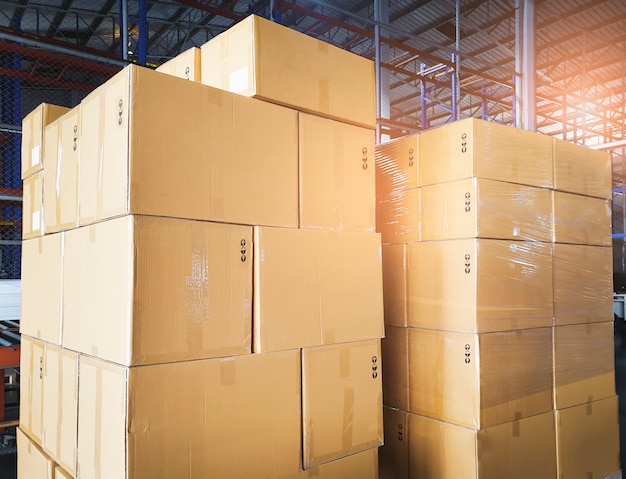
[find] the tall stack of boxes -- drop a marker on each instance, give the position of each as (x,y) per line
(470,214)
(205,295)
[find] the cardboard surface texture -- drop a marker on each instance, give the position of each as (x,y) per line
(479,285)
(337,177)
(60,473)
(584,366)
(363,465)
(32,462)
(395,348)
(314,287)
(347,417)
(197,152)
(394,284)
(60,182)
(477,148)
(142,290)
(394,454)
(583,284)
(581,170)
(60,399)
(269,61)
(398,217)
(481,208)
(42,276)
(581,219)
(517,450)
(475,390)
(185,65)
(397,165)
(33,126)
(32,206)
(31,388)
(587,440)
(129,426)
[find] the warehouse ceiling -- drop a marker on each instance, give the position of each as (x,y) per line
(580,51)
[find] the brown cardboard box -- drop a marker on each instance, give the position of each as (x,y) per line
(131,425)
(60,182)
(197,152)
(394,284)
(394,454)
(480,380)
(398,217)
(59,473)
(397,165)
(31,388)
(342,400)
(142,290)
(314,287)
(395,348)
(337,178)
(521,449)
(32,206)
(363,465)
(42,287)
(256,58)
(582,170)
(473,147)
(584,366)
(581,219)
(33,126)
(481,208)
(32,462)
(479,285)
(583,284)
(60,399)
(587,440)
(184,65)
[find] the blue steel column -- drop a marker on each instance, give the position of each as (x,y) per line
(454,87)
(425,123)
(142,43)
(124,30)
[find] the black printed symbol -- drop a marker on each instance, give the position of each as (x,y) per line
(464,143)
(468,202)
(467,264)
(468,354)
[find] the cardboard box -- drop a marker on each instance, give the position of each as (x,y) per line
(583,284)
(266,60)
(348,416)
(398,216)
(314,287)
(480,380)
(581,219)
(394,284)
(32,206)
(481,208)
(581,170)
(60,182)
(60,399)
(482,285)
(483,149)
(31,388)
(517,450)
(395,348)
(197,152)
(363,465)
(337,178)
(397,164)
(32,462)
(42,287)
(143,290)
(587,439)
(59,473)
(131,426)
(185,65)
(584,366)
(394,454)
(33,126)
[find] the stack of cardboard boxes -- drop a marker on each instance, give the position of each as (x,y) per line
(204,297)
(470,214)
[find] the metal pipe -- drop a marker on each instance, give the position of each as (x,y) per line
(142,42)
(457,62)
(377,55)
(518,65)
(529,117)
(124,29)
